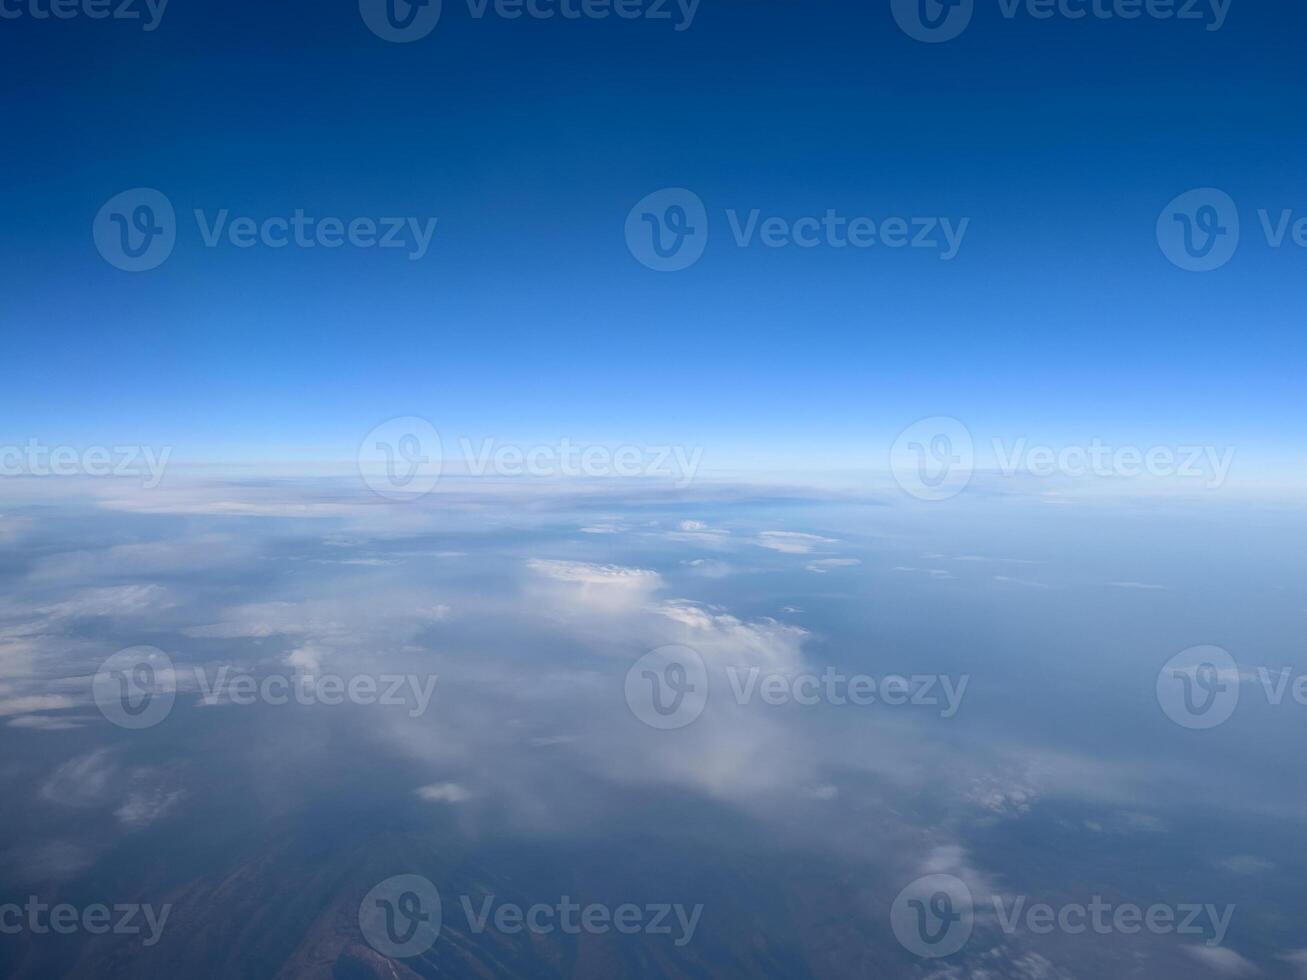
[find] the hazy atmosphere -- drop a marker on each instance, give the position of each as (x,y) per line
(624,488)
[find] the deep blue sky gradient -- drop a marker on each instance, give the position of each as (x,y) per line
(530,140)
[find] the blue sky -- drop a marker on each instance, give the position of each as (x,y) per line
(530,140)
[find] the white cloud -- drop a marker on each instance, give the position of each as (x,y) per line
(445,793)
(44,723)
(793,542)
(1221,961)
(823,565)
(144,808)
(708,567)
(33,702)
(599,587)
(112,601)
(82,781)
